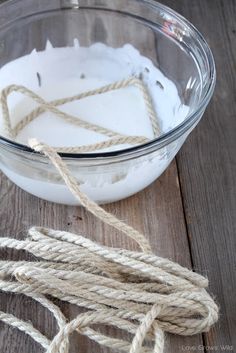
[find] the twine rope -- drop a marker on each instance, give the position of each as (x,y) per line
(115,138)
(137,292)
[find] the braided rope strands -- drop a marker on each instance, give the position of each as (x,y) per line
(136,292)
(96,210)
(115,138)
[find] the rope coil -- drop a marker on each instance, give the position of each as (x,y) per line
(137,292)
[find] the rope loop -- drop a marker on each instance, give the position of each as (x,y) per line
(142,294)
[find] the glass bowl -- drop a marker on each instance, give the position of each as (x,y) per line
(159,33)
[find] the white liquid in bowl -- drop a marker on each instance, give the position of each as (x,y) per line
(63,72)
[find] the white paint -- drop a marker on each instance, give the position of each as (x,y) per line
(68,71)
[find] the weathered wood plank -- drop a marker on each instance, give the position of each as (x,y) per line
(207,167)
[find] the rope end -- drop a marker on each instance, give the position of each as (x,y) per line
(35,144)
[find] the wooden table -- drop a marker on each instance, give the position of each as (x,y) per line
(189,213)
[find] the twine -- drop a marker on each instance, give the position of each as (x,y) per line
(116,138)
(137,292)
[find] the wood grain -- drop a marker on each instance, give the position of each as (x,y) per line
(206,168)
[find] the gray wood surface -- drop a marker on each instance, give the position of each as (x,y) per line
(189,213)
(207,169)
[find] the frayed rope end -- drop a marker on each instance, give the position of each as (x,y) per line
(35,144)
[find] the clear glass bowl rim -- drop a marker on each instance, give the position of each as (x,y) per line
(166,138)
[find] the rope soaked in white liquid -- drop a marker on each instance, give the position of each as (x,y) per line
(116,138)
(136,292)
